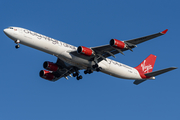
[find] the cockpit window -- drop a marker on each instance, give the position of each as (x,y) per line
(10,27)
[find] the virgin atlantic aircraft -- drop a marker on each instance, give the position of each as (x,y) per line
(71,59)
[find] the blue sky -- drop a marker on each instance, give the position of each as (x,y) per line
(26,96)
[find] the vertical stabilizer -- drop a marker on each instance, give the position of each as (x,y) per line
(147,65)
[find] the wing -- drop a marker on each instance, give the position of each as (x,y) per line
(146,38)
(102,52)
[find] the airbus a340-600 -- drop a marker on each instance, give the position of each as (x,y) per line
(71,59)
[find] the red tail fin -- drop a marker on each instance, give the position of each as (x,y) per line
(147,65)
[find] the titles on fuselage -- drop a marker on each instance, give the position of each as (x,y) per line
(118,64)
(54,42)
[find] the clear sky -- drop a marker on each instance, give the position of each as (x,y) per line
(26,96)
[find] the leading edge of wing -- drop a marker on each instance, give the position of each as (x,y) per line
(146,38)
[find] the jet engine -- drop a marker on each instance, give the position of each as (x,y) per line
(50,66)
(117,44)
(46,75)
(85,51)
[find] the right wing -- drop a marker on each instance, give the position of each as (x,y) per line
(146,38)
(104,51)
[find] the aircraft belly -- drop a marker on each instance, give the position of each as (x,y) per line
(81,63)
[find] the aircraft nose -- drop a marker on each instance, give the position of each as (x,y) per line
(6,31)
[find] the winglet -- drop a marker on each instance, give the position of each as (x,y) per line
(164,32)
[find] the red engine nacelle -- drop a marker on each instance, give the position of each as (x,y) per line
(85,51)
(117,44)
(50,66)
(46,75)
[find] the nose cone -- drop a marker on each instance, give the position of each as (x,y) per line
(5,31)
(8,33)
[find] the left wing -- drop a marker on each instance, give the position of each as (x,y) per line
(64,70)
(116,46)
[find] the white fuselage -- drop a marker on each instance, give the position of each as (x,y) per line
(62,50)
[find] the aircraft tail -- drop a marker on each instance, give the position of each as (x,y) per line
(146,67)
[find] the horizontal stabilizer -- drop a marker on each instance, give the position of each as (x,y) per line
(137,82)
(155,73)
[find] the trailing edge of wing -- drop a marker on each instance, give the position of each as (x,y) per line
(155,73)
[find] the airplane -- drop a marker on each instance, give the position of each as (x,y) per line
(71,59)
